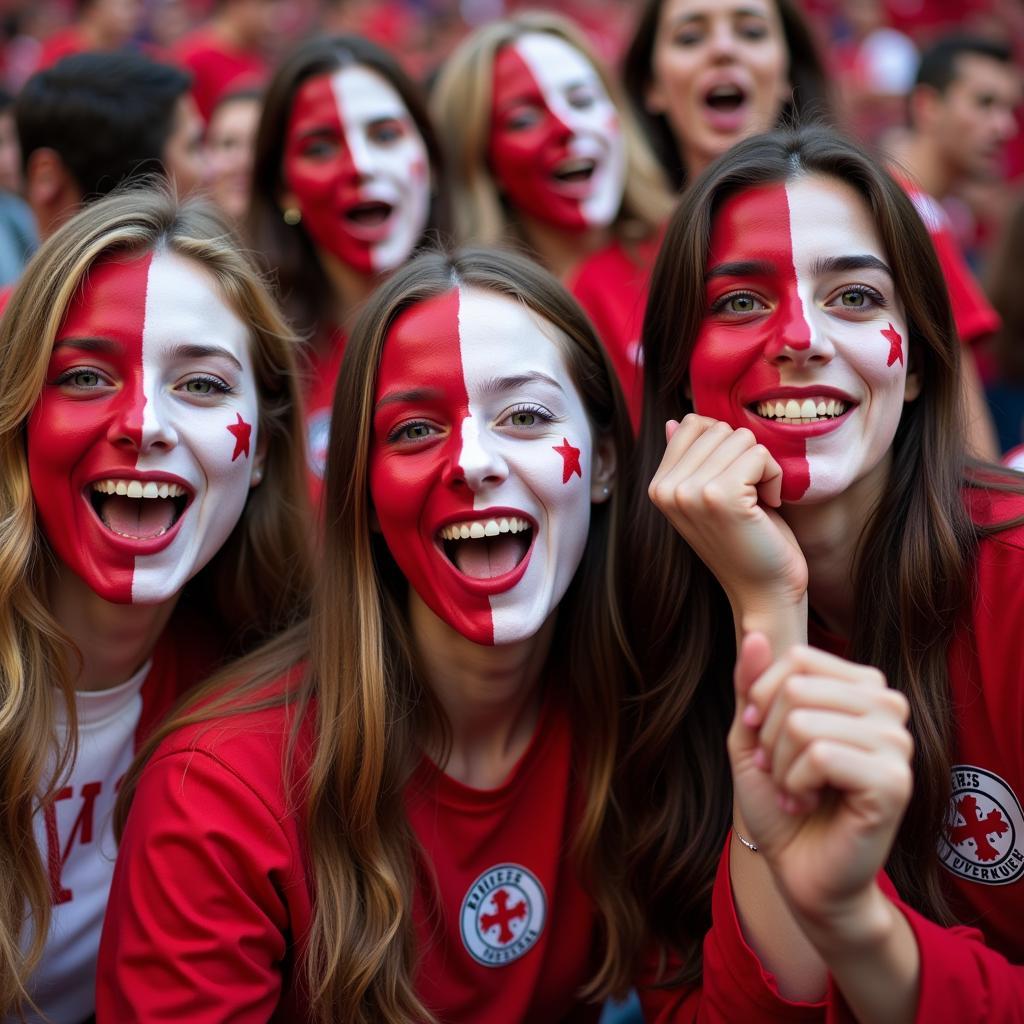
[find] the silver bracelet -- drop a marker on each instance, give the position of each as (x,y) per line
(746,842)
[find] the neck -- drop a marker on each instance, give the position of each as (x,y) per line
(921,159)
(350,288)
(828,534)
(561,250)
(490,695)
(114,640)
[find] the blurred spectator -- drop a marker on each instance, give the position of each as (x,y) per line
(230,51)
(98,25)
(230,144)
(17,230)
(10,151)
(97,119)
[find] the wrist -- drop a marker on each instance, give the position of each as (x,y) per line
(782,619)
(861,926)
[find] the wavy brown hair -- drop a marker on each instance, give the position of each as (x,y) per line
(913,572)
(811,99)
(253,587)
(371,709)
(288,252)
(461,104)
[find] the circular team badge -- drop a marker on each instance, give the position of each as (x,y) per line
(318,432)
(502,915)
(984,840)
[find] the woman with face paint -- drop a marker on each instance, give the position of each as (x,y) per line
(345,187)
(806,362)
(442,844)
(148,442)
(543,153)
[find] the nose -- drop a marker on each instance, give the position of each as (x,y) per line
(141,423)
(477,463)
(799,338)
(722,40)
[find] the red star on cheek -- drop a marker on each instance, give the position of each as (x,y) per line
(571,460)
(895,345)
(242,432)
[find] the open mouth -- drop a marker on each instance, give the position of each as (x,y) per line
(575,170)
(137,509)
(805,410)
(725,98)
(484,549)
(371,214)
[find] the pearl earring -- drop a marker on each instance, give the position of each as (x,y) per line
(292,216)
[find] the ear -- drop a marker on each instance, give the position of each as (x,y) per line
(47,178)
(912,386)
(259,460)
(655,100)
(924,106)
(602,470)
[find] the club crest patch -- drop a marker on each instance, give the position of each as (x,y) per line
(984,840)
(502,915)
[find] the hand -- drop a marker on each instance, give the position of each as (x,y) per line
(821,772)
(719,489)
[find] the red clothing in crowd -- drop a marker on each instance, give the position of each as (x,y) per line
(963,979)
(319,380)
(216,67)
(611,286)
(63,43)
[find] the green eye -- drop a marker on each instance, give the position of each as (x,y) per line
(199,387)
(853,299)
(523,419)
(415,431)
(741,304)
(86,379)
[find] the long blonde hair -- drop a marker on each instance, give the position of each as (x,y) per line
(461,107)
(258,581)
(371,710)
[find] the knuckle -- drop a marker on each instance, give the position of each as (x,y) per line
(875,677)
(715,496)
(746,435)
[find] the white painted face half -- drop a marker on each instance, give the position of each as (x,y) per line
(390,156)
(576,95)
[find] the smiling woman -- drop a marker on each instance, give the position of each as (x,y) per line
(148,391)
(442,843)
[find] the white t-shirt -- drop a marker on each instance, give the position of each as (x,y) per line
(76,836)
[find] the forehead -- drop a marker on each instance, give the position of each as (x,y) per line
(978,73)
(678,10)
(467,328)
(549,60)
(364,94)
(166,296)
(811,216)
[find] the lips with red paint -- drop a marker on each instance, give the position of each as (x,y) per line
(555,146)
(489,549)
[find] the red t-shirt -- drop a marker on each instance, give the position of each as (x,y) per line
(215,67)
(611,286)
(63,43)
(211,898)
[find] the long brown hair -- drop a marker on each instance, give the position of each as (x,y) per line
(254,586)
(811,97)
(912,576)
(371,710)
(288,252)
(461,104)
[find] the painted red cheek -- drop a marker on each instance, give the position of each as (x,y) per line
(523,159)
(73,440)
(570,460)
(735,363)
(414,493)
(895,345)
(241,431)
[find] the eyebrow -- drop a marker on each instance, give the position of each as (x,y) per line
(496,385)
(104,346)
(839,264)
(413,395)
(741,268)
(204,351)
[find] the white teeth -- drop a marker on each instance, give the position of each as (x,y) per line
(139,489)
(477,528)
(807,410)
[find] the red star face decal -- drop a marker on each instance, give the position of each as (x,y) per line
(895,345)
(571,460)
(242,432)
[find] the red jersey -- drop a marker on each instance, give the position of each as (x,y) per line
(319,381)
(211,896)
(216,67)
(611,286)
(962,978)
(975,318)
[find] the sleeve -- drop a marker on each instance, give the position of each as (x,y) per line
(197,925)
(961,978)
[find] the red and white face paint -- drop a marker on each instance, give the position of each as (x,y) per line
(357,168)
(141,446)
(804,341)
(556,147)
(481,463)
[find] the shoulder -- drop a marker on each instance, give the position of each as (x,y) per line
(991,509)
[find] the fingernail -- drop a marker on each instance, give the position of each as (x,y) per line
(751,715)
(760,759)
